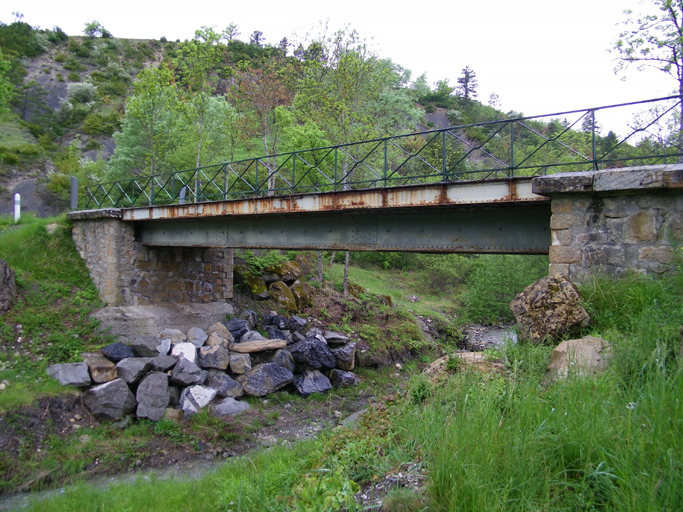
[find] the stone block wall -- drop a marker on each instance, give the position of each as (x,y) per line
(616,221)
(127,273)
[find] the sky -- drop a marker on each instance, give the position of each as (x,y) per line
(538,56)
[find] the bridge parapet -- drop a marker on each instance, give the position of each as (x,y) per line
(614,221)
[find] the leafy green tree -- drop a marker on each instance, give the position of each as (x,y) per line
(195,66)
(95,29)
(655,40)
(153,99)
(467,84)
(351,94)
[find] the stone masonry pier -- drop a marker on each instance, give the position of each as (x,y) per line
(614,221)
(128,273)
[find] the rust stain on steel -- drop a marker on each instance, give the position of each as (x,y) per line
(410,196)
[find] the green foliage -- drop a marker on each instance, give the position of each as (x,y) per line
(325,492)
(74,77)
(494,282)
(420,388)
(259,262)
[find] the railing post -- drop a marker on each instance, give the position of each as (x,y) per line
(293,173)
(335,167)
(443,155)
(385,162)
(196,187)
(512,149)
(74,193)
(151,191)
(225,182)
(595,152)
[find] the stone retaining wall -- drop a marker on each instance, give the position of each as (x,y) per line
(614,221)
(127,273)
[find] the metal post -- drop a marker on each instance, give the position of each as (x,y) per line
(595,152)
(443,155)
(151,191)
(385,162)
(512,149)
(17,207)
(225,182)
(74,193)
(293,173)
(335,168)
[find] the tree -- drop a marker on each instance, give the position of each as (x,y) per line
(153,98)
(95,29)
(257,92)
(195,66)
(655,40)
(467,84)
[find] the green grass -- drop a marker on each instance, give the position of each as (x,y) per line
(55,298)
(489,443)
(14,135)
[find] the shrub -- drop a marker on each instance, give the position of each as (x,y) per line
(74,77)
(80,92)
(60,57)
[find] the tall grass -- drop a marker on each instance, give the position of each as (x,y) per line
(610,443)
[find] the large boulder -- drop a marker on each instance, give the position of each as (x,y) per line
(101,369)
(8,287)
(197,336)
(283,296)
(343,379)
(195,398)
(282,357)
(185,351)
(264,379)
(145,345)
(240,363)
(237,327)
(186,373)
(70,374)
(109,401)
(288,271)
(311,381)
(230,407)
(548,309)
(301,294)
(346,356)
(214,357)
(218,340)
(117,351)
(583,357)
(152,396)
(131,370)
(175,335)
(224,385)
(253,284)
(313,353)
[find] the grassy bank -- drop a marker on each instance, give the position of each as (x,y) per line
(488,442)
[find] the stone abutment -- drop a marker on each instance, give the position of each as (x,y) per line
(614,221)
(128,273)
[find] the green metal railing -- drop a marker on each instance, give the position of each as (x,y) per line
(524,146)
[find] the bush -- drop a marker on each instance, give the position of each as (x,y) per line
(74,77)
(80,92)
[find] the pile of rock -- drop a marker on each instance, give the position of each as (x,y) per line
(189,371)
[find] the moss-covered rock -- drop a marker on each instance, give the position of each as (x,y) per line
(301,294)
(252,284)
(283,296)
(288,271)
